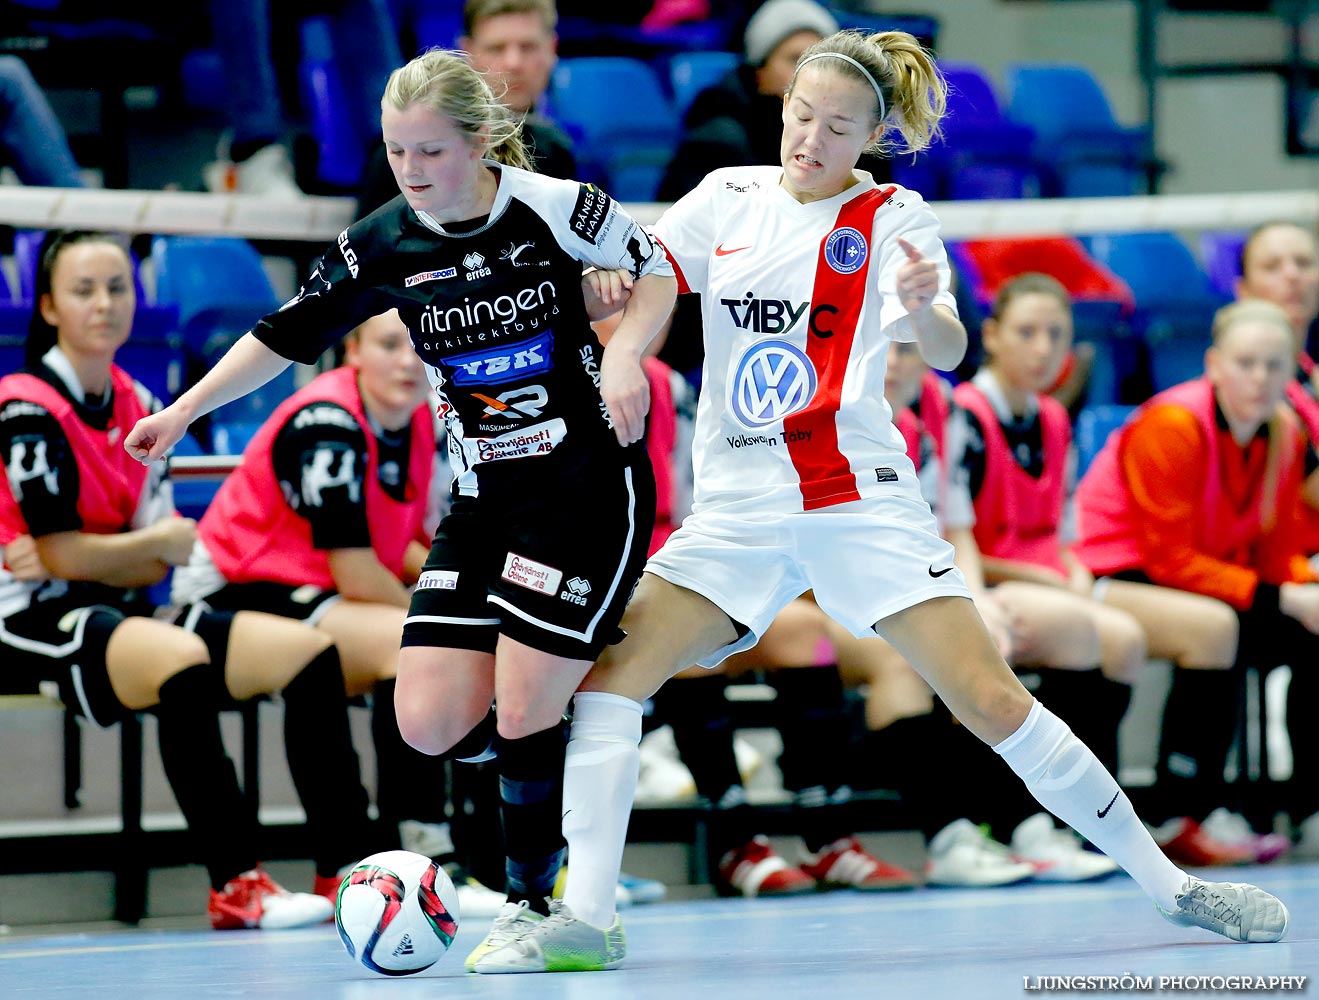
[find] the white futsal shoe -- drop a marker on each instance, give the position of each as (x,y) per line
(1236,910)
(559,943)
(513,920)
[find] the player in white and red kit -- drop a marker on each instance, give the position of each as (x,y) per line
(802,482)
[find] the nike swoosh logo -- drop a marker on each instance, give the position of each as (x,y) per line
(1104,812)
(719,251)
(940,573)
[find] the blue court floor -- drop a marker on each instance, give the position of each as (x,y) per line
(929,944)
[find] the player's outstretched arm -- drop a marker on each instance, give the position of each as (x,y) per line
(939,333)
(248,365)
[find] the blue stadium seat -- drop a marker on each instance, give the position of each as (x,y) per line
(625,126)
(1090,154)
(1222,260)
(204,85)
(438,24)
(230,438)
(922,26)
(217,283)
(342,152)
(1093,426)
(982,154)
(692,72)
(1175,303)
(220,290)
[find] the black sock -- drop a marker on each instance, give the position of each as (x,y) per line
(1114,700)
(324,765)
(1199,723)
(697,711)
(1302,696)
(409,783)
(531,793)
(478,832)
(732,822)
(812,719)
(811,711)
(201,773)
(943,772)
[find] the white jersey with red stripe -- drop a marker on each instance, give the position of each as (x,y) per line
(799,304)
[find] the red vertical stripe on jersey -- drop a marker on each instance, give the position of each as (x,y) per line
(683,287)
(825,473)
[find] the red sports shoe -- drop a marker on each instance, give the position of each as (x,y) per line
(1186,843)
(327,886)
(755,870)
(846,864)
(254,899)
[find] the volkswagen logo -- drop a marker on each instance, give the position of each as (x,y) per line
(773,379)
(845,250)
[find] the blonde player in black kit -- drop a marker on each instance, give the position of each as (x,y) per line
(529,574)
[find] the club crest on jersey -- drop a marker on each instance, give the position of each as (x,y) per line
(773,380)
(845,250)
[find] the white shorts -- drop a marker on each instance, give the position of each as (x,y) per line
(865,560)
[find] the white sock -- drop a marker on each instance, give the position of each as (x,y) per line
(1068,780)
(599,783)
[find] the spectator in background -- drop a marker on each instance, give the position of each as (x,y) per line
(1199,492)
(253,157)
(32,140)
(1280,264)
(326,521)
(86,530)
(511,42)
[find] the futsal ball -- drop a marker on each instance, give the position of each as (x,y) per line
(397,912)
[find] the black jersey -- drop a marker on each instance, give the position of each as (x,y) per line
(496,313)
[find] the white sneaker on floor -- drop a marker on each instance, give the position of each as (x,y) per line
(268,172)
(964,855)
(474,898)
(662,779)
(431,839)
(1057,854)
(1235,910)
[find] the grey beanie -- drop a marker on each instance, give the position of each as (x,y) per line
(777,20)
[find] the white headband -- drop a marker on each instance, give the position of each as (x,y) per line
(883,108)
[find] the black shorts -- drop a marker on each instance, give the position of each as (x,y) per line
(63,633)
(306,603)
(554,571)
